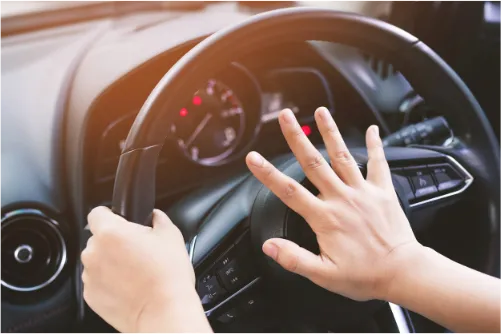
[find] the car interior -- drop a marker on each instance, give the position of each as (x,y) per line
(142,105)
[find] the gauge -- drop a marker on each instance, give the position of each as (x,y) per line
(209,128)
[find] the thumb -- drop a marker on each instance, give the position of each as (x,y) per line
(292,257)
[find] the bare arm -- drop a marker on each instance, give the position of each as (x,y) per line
(457,297)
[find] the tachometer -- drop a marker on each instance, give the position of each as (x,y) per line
(210,126)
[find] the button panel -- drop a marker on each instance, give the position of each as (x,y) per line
(209,290)
(427,181)
(246,304)
(227,274)
(233,276)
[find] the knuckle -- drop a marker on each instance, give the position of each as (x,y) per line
(350,194)
(86,257)
(314,161)
(95,212)
(386,197)
(297,132)
(106,232)
(289,190)
(351,197)
(379,157)
(333,133)
(290,263)
(268,171)
(343,157)
(332,129)
(378,144)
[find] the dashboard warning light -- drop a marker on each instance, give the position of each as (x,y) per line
(183,112)
(306,129)
(197,100)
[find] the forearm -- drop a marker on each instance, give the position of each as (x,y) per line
(455,296)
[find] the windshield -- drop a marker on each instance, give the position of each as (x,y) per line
(17,8)
(13,8)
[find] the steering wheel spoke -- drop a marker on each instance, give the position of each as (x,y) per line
(429,181)
(227,279)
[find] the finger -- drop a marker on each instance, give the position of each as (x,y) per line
(288,190)
(293,258)
(313,163)
(89,243)
(102,217)
(378,171)
(163,224)
(341,159)
(161,221)
(86,257)
(85,276)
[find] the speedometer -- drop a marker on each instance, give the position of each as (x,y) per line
(210,126)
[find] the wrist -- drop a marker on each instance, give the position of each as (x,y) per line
(401,263)
(181,311)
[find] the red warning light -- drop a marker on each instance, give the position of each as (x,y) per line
(197,100)
(306,129)
(183,112)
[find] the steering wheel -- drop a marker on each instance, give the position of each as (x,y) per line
(225,237)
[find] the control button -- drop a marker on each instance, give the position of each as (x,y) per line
(233,276)
(403,181)
(209,290)
(226,258)
(205,279)
(228,316)
(251,303)
(444,184)
(424,185)
(447,178)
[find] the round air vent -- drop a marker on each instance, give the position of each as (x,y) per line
(33,250)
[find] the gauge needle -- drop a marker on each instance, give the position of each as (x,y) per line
(199,128)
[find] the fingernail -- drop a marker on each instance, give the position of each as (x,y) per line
(288,116)
(256,159)
(324,114)
(375,130)
(270,249)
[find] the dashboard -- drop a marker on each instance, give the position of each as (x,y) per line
(71,94)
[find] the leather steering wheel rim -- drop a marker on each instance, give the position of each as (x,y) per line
(433,79)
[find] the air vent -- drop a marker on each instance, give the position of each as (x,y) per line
(380,67)
(33,250)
